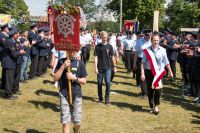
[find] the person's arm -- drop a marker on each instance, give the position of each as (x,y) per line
(58,74)
(114,64)
(96,62)
(72,77)
(169,70)
(142,72)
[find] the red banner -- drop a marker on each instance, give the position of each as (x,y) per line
(128,25)
(66,29)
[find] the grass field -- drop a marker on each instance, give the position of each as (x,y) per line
(37,109)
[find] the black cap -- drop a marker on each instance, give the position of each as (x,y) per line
(147,31)
(199,31)
(33,25)
(129,33)
(12,32)
(174,33)
(4,26)
(82,29)
(155,32)
(169,30)
(161,34)
(40,30)
(12,27)
(188,33)
(46,29)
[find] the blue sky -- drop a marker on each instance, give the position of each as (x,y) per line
(39,7)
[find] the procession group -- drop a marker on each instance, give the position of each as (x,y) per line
(149,56)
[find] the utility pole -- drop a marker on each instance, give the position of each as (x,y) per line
(120,15)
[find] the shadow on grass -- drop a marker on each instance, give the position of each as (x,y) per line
(121,71)
(128,93)
(48,82)
(196,120)
(46,92)
(124,77)
(123,83)
(130,106)
(174,97)
(89,98)
(10,131)
(92,82)
(45,105)
(33,131)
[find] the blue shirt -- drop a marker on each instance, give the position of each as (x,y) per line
(129,44)
(160,55)
(141,45)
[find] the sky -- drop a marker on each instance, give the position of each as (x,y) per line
(39,7)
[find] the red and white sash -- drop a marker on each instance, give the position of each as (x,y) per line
(158,74)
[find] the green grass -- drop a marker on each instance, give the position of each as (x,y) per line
(37,109)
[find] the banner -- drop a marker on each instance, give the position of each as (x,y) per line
(4,18)
(131,25)
(156,21)
(66,29)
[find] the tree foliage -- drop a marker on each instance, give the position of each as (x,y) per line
(104,26)
(141,9)
(183,13)
(15,8)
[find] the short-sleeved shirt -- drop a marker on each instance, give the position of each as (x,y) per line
(129,44)
(160,56)
(141,45)
(104,54)
(77,68)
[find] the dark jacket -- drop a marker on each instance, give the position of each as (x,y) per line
(3,37)
(42,47)
(11,53)
(172,53)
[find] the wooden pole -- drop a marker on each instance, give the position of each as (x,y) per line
(156,21)
(69,81)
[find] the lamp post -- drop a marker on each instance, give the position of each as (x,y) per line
(120,15)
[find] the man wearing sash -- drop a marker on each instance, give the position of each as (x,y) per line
(153,70)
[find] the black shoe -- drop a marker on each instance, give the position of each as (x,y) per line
(11,97)
(100,102)
(156,112)
(107,102)
(23,81)
(17,93)
(151,111)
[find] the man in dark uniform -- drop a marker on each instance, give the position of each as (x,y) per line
(32,37)
(172,53)
(9,62)
(42,47)
(3,36)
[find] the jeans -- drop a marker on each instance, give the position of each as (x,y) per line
(24,68)
(106,73)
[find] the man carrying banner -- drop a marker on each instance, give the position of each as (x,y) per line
(153,70)
(78,77)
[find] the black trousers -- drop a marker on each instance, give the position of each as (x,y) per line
(138,71)
(41,65)
(173,67)
(16,78)
(84,55)
(88,52)
(44,69)
(196,84)
(153,94)
(142,84)
(33,66)
(9,80)
(2,80)
(128,60)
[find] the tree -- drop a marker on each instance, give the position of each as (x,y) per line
(15,8)
(141,9)
(182,13)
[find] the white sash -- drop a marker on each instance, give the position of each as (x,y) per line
(158,74)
